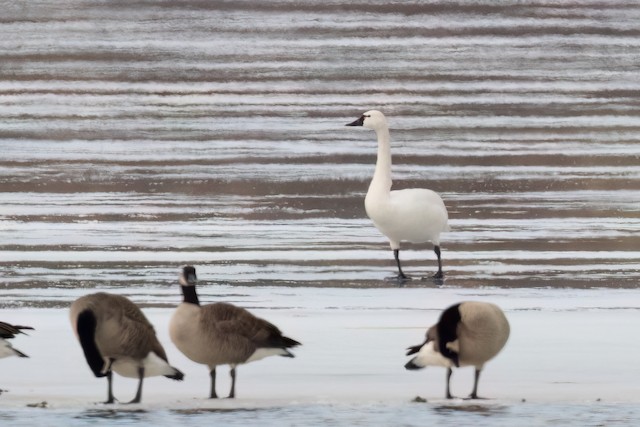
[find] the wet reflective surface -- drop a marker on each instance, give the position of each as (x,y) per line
(488,414)
(137,137)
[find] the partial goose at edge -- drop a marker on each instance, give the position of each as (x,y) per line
(7,332)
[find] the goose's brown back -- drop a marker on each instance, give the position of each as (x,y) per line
(482,332)
(122,330)
(221,333)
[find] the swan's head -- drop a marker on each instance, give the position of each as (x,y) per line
(188,276)
(372,119)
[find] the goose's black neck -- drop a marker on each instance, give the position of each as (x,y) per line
(190,295)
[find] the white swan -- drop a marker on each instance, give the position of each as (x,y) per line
(415,215)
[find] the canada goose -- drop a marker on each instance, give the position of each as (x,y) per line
(8,331)
(467,334)
(116,336)
(221,333)
(416,215)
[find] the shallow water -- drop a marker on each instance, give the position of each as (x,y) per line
(379,413)
(138,136)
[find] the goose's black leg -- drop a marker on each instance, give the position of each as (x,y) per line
(212,374)
(232,393)
(474,393)
(138,397)
(110,398)
(449,372)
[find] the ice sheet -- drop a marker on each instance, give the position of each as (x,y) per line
(566,346)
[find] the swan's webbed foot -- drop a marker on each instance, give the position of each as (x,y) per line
(437,279)
(400,279)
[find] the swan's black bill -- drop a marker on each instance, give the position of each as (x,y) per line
(358,122)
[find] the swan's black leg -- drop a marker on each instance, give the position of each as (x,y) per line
(401,276)
(439,274)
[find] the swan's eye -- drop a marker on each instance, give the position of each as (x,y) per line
(366,116)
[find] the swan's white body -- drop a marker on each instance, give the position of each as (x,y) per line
(416,215)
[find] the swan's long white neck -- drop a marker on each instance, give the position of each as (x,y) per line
(381,182)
